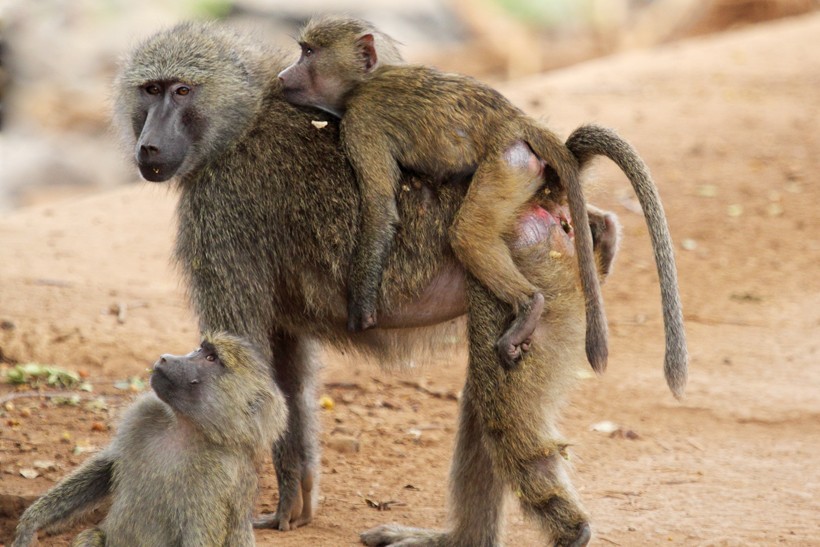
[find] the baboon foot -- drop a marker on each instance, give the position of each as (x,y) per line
(276,522)
(581,539)
(360,317)
(393,535)
(516,340)
(289,516)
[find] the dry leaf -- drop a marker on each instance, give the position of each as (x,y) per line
(382,505)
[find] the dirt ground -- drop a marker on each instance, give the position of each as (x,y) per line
(728,124)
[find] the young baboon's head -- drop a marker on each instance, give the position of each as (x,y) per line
(225,390)
(337,53)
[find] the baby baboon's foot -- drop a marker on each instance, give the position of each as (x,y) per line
(360,317)
(516,340)
(393,535)
(581,539)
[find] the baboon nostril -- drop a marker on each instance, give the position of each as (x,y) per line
(148,150)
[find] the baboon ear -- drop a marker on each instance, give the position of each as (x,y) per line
(368,51)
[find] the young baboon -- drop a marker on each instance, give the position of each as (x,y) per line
(265,237)
(182,467)
(414,117)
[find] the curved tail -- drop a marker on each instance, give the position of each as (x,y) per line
(553,151)
(592,140)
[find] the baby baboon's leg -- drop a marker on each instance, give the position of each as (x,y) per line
(296,454)
(488,212)
(517,411)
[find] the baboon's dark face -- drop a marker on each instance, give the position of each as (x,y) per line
(184,381)
(166,125)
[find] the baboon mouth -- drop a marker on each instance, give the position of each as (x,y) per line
(157,172)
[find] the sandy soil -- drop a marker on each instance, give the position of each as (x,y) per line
(728,125)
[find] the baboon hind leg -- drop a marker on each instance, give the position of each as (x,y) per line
(296,454)
(476,497)
(517,410)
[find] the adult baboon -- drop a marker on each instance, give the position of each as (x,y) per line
(182,467)
(267,226)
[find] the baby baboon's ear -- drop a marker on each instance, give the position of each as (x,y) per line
(367,51)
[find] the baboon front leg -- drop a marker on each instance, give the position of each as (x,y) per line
(476,496)
(296,454)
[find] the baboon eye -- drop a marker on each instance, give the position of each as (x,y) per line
(183,90)
(210,357)
(152,89)
(307,51)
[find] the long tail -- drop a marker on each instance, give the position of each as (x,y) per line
(591,140)
(549,148)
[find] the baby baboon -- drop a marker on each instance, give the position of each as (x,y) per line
(182,467)
(414,117)
(266,234)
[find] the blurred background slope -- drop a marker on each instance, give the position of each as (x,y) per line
(58,59)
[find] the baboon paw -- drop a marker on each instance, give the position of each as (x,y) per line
(275,522)
(581,539)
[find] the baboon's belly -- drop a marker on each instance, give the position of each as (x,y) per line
(445,298)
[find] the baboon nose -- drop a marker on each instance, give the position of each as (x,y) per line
(148,151)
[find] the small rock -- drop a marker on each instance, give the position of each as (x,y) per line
(44,464)
(29,473)
(735,210)
(343,444)
(605,427)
